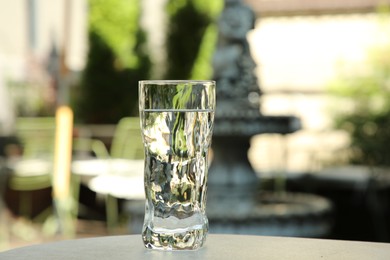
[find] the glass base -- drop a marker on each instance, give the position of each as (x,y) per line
(165,240)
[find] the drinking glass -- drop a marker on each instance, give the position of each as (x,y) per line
(177,118)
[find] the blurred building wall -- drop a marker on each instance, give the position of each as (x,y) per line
(48,26)
(298,55)
(29,30)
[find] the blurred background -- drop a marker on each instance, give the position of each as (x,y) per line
(325,62)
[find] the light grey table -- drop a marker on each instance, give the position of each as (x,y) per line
(235,247)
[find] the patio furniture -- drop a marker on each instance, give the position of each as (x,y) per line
(118,169)
(32,171)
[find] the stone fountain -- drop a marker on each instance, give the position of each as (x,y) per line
(234,203)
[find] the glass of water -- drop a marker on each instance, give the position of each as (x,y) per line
(177,118)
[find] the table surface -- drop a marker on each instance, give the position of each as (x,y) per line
(216,247)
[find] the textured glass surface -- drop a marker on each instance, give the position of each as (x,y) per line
(177,122)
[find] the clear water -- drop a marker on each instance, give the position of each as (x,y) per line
(176,148)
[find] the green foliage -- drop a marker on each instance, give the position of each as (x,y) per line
(192,37)
(116,22)
(367,118)
(370,137)
(202,67)
(116,62)
(117,58)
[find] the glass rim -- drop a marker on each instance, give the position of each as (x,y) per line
(176,81)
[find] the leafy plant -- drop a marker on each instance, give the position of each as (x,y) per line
(117,60)
(365,110)
(191,38)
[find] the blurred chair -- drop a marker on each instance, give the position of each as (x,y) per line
(126,144)
(67,206)
(33,170)
(84,149)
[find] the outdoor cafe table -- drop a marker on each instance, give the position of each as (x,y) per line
(95,167)
(235,247)
(121,178)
